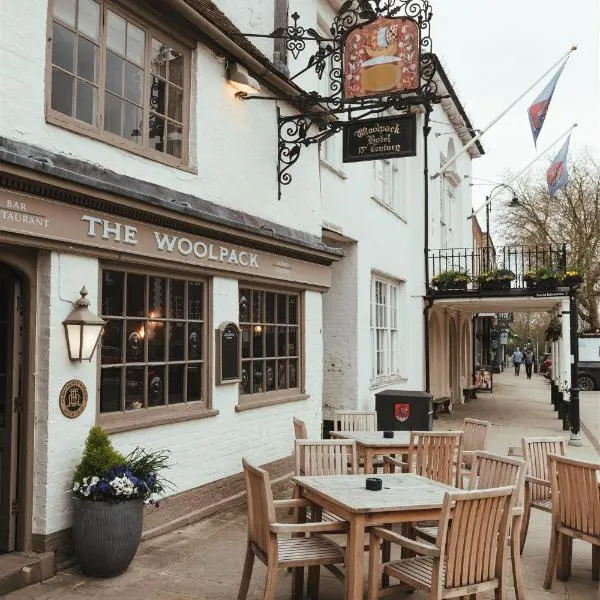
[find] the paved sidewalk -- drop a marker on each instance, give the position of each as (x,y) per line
(204,561)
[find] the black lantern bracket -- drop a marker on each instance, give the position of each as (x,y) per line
(329,113)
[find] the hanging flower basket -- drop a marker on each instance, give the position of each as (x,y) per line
(554,329)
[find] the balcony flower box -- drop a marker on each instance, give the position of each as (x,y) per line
(498,279)
(572,277)
(544,279)
(450,280)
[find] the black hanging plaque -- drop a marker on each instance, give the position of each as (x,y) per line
(229,356)
(374,139)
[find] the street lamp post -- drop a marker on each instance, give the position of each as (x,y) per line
(488,209)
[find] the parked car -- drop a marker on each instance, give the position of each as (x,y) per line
(588,376)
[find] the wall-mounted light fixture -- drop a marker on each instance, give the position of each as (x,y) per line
(82,330)
(241,80)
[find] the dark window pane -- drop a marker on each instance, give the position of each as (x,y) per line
(65,11)
(281,347)
(134,79)
(293,310)
(270,341)
(244,302)
(110,390)
(194,341)
(157,95)
(257,377)
(112,340)
(292,341)
(135,333)
(89,18)
(176,384)
(114,73)
(176,63)
(112,114)
(270,307)
(132,124)
(246,341)
(156,297)
(156,385)
(270,376)
(174,140)
(136,294)
(176,341)
(195,300)
(112,292)
(63,47)
(245,383)
(62,92)
(86,102)
(134,387)
(156,133)
(282,374)
(176,299)
(257,306)
(175,107)
(293,373)
(158,61)
(194,383)
(281,309)
(87,59)
(257,341)
(156,341)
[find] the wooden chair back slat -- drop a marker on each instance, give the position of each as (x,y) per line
(535,453)
(472,535)
(492,471)
(436,455)
(475,438)
(575,494)
(300,432)
(261,510)
(326,457)
(355,420)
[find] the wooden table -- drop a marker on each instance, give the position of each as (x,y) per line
(370,444)
(405,497)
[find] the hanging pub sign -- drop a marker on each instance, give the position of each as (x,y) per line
(229,354)
(374,139)
(382,57)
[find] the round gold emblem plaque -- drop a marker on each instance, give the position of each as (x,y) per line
(73,398)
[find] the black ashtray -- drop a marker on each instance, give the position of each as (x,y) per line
(374,484)
(388,434)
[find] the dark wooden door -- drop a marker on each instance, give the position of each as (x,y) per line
(11,357)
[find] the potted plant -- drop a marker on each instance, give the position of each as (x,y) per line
(545,278)
(554,329)
(109,493)
(573,276)
(495,279)
(451,280)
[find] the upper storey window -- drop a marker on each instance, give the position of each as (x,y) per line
(116,78)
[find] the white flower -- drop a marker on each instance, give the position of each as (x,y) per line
(95,480)
(76,486)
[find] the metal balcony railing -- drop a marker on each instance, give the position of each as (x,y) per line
(518,259)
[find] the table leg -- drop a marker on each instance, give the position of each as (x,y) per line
(355,558)
(368,461)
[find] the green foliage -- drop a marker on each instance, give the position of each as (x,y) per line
(544,274)
(495,275)
(554,329)
(99,457)
(451,277)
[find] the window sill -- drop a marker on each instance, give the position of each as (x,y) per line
(335,170)
(389,208)
(152,417)
(382,382)
(244,405)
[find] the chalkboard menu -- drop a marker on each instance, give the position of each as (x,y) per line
(228,361)
(374,139)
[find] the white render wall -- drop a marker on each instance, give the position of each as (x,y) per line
(203,450)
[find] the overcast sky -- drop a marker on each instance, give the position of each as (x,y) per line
(493,51)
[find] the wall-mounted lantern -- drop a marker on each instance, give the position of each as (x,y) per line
(82,330)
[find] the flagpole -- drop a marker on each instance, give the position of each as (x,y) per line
(475,139)
(523,171)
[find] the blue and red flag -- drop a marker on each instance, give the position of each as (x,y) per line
(557,174)
(538,110)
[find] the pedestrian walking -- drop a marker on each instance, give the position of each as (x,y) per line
(528,359)
(517,360)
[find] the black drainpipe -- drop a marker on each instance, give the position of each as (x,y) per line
(426,130)
(473,348)
(428,305)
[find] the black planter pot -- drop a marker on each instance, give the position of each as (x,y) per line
(495,285)
(572,281)
(546,284)
(106,535)
(451,285)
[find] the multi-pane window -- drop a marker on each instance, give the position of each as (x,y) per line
(386,181)
(385,336)
(118,78)
(270,324)
(153,346)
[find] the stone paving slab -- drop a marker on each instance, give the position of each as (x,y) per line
(204,561)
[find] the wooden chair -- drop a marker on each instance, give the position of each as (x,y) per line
(492,471)
(466,557)
(436,455)
(264,540)
(326,457)
(475,439)
(537,482)
(300,432)
(575,487)
(358,420)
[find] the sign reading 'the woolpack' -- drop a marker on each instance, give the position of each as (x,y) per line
(374,139)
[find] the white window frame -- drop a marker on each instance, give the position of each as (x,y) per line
(386,176)
(386,344)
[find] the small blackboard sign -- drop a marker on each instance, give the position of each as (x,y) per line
(374,139)
(229,356)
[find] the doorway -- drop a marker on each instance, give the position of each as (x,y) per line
(12,390)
